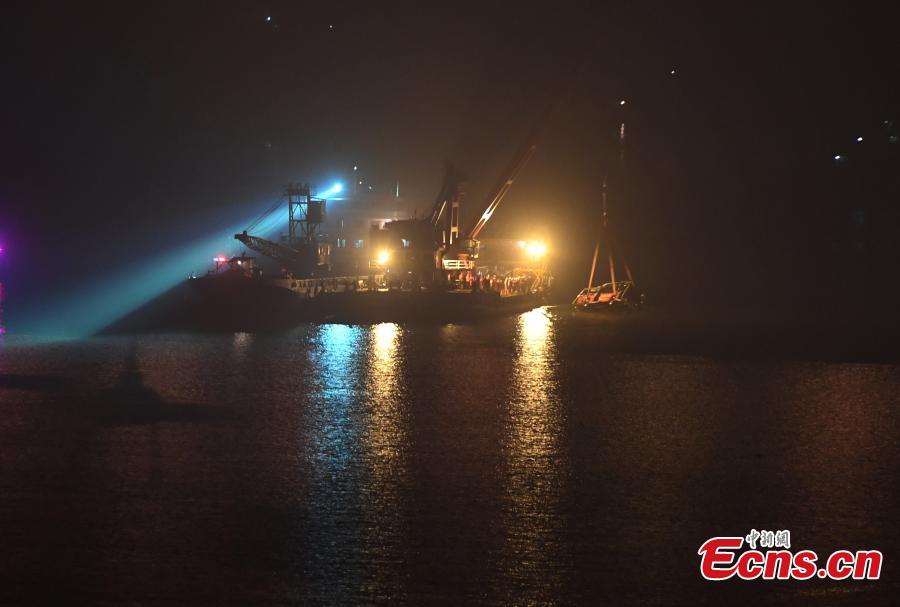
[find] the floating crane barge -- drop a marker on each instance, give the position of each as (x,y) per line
(420,268)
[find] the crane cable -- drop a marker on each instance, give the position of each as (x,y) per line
(271,210)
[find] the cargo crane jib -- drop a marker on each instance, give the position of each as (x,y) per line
(463,253)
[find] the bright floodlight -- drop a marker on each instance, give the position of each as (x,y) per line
(837,156)
(383,257)
(859,140)
(336,188)
(622,102)
(536,250)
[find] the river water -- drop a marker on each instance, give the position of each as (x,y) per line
(512,462)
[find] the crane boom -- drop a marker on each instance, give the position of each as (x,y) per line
(449,189)
(299,253)
(512,171)
(292,259)
(509,177)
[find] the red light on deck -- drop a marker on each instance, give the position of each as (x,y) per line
(219,259)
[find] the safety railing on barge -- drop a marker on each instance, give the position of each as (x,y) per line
(311,287)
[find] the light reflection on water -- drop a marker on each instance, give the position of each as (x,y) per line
(531,557)
(505,463)
(336,358)
(331,450)
(357,448)
(385,444)
(385,423)
(242,343)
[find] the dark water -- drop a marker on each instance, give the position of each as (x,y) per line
(516,462)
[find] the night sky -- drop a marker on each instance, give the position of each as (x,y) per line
(132,127)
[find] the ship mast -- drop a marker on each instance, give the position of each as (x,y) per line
(613,241)
(612,262)
(599,235)
(604,233)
